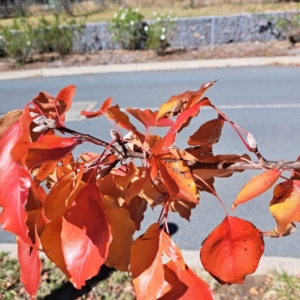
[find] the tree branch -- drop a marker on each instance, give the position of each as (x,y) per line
(122,151)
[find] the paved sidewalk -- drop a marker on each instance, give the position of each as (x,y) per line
(154,66)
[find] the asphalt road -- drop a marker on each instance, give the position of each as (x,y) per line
(263,100)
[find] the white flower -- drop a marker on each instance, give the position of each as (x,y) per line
(175,19)
(146,28)
(131,23)
(122,17)
(115,15)
(162,37)
(158,19)
(137,9)
(163,29)
(28,43)
(154,13)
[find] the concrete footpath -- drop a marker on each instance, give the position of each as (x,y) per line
(192,259)
(288,264)
(154,66)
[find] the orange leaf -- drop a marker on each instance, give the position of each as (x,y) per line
(285,205)
(64,98)
(136,208)
(147,271)
(208,134)
(183,208)
(122,230)
(52,244)
(14,186)
(120,118)
(178,103)
(148,118)
(185,284)
(163,146)
(178,180)
(85,235)
(55,203)
(256,186)
(232,250)
(49,148)
(30,267)
(103,109)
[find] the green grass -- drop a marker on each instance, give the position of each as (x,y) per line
(117,286)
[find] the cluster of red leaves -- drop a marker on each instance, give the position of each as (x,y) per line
(92,206)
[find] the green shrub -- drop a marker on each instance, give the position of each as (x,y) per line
(127,29)
(160,31)
(132,32)
(18,39)
(53,37)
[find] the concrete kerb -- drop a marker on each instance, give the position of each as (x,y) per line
(154,66)
(191,258)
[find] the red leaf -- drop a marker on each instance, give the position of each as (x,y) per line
(49,148)
(85,235)
(185,284)
(232,250)
(65,97)
(14,186)
(30,266)
(148,118)
(256,186)
(62,102)
(208,133)
(102,110)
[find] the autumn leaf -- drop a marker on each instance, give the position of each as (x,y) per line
(30,266)
(163,146)
(178,103)
(52,244)
(14,186)
(102,110)
(285,205)
(136,208)
(208,133)
(61,104)
(122,230)
(232,250)
(178,179)
(148,118)
(85,235)
(120,118)
(256,186)
(185,284)
(274,233)
(147,271)
(8,120)
(49,148)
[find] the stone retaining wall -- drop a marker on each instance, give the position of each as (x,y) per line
(194,32)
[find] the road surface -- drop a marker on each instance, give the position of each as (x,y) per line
(263,100)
